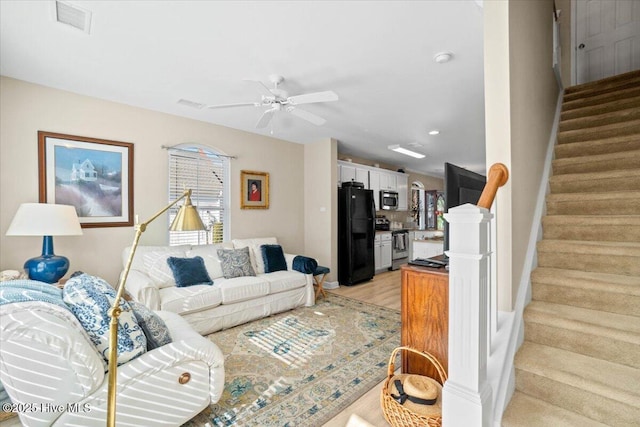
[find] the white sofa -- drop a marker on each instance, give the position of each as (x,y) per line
(226,303)
(55,376)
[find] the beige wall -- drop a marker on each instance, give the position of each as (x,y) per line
(565,41)
(27,108)
(520,99)
(321,204)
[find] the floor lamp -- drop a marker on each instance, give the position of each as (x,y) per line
(187,219)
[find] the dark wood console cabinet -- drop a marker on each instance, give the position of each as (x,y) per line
(425,318)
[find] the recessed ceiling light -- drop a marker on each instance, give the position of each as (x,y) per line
(406,152)
(434,132)
(443,57)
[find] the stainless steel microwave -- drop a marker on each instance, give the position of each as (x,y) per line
(388,200)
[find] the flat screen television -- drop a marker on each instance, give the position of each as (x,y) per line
(460,186)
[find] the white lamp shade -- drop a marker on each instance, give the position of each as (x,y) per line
(45,219)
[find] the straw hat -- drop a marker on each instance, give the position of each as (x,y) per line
(417,387)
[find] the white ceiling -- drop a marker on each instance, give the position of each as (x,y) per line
(376,55)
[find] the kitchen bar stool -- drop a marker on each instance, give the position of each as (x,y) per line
(318,279)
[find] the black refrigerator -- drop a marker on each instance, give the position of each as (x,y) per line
(356,234)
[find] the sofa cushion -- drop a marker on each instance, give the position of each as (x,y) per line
(273,258)
(254,250)
(90,298)
(281,281)
(157,267)
(189,271)
(210,256)
(155,330)
(243,288)
(235,262)
(191,299)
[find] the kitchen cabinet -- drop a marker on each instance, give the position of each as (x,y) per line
(376,179)
(425,318)
(382,251)
(388,181)
(374,184)
(402,185)
(350,172)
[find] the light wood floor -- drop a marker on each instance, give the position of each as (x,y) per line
(383,290)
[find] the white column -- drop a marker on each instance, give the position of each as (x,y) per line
(466,400)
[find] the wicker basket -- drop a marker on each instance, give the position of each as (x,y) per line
(398,415)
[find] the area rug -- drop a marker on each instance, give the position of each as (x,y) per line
(302,367)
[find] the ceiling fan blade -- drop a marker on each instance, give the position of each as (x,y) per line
(310,117)
(242,104)
(261,87)
(266,118)
(309,98)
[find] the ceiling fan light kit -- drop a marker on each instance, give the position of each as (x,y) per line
(398,149)
(276,100)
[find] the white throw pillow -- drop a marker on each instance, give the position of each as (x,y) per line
(254,250)
(210,256)
(158,269)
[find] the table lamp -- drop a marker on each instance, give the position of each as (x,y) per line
(187,219)
(47,220)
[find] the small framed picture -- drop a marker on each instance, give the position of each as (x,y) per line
(94,175)
(255,190)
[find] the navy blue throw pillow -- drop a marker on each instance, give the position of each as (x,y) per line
(273,258)
(189,271)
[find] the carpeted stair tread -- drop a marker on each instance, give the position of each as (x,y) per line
(618,104)
(614,293)
(615,180)
(598,163)
(598,146)
(601,98)
(628,285)
(609,82)
(603,257)
(601,390)
(616,228)
(625,327)
(527,411)
(601,119)
(580,371)
(586,93)
(598,132)
(595,203)
(607,336)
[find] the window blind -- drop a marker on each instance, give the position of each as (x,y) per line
(205,173)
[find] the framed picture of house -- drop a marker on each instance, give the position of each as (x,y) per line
(254,190)
(94,175)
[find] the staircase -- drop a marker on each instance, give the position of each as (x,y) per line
(580,362)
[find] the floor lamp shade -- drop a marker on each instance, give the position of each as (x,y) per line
(47,220)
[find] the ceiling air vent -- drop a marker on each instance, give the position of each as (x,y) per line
(72,15)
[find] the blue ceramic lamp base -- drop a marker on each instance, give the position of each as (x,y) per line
(47,267)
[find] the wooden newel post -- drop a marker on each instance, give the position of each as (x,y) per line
(498,176)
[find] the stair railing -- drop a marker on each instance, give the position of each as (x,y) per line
(467,395)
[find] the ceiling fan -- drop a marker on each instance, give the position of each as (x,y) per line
(277,100)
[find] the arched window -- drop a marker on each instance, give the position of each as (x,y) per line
(206,173)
